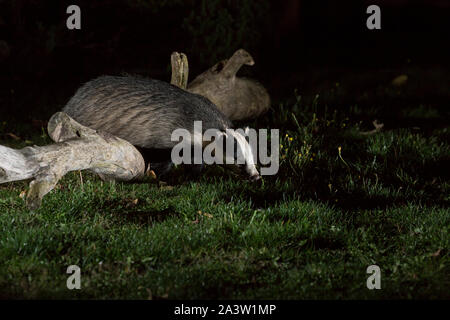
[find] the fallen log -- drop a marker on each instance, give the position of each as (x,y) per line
(77,148)
(238,98)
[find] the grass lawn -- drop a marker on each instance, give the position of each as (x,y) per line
(342,201)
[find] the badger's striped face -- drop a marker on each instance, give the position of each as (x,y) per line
(243,153)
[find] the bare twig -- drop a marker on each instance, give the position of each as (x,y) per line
(378,127)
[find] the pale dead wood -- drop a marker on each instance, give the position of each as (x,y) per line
(180,70)
(378,127)
(77,148)
(238,98)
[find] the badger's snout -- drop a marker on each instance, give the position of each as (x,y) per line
(252,173)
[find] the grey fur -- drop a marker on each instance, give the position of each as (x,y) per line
(142,111)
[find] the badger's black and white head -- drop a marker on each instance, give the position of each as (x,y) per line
(242,154)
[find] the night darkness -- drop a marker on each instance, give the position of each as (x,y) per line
(296,44)
(349,193)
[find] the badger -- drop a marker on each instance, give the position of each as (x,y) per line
(145,112)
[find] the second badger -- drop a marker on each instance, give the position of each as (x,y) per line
(145,112)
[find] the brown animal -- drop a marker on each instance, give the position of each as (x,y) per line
(237,98)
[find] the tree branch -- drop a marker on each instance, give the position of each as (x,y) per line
(77,148)
(180,70)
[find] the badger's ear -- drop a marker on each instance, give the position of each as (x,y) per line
(246,130)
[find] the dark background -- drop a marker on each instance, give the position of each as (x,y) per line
(304,45)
